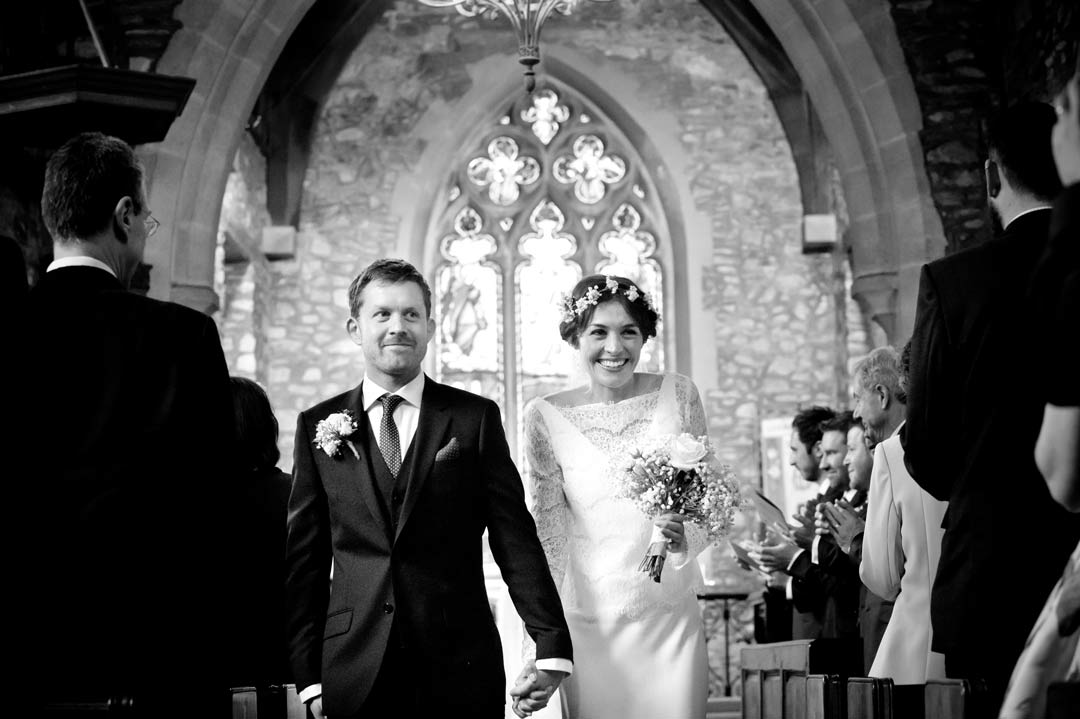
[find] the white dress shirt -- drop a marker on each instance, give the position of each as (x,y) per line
(79,261)
(406,414)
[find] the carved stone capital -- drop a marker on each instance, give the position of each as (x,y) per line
(878,295)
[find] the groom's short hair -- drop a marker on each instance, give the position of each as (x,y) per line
(84,180)
(391,271)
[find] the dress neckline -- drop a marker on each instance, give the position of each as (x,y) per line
(614,403)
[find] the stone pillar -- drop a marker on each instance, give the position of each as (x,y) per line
(877,295)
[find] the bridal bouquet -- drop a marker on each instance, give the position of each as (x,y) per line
(679,474)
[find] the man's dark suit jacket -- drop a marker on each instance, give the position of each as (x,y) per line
(124,422)
(974,410)
(830,588)
(808,602)
(423,574)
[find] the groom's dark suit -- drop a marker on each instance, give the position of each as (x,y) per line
(408,568)
(124,419)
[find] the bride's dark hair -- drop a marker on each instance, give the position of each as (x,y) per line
(578,310)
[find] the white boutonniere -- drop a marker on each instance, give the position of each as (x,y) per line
(335,430)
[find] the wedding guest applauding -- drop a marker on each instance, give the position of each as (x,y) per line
(974,408)
(902,539)
(640,644)
(806,459)
(821,582)
(125,427)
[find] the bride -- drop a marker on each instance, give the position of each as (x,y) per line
(639,646)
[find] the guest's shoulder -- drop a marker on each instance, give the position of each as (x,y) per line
(163,314)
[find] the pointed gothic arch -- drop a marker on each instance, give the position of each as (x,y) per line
(513,217)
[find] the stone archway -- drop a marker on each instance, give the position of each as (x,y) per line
(229,48)
(850,61)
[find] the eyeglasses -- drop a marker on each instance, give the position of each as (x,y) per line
(151,225)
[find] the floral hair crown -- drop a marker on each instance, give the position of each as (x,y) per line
(572,309)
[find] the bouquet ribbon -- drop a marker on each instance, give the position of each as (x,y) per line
(653,562)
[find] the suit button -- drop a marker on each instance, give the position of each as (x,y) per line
(388,608)
(396,496)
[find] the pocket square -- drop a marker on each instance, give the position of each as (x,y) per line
(451,451)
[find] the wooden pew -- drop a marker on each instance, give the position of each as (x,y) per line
(118,706)
(824,697)
(869,698)
(955,699)
(276,701)
(774,675)
(245,703)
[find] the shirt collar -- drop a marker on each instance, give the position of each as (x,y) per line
(79,261)
(412,392)
(1025,212)
(850,495)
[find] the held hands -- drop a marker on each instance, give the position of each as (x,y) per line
(533,689)
(844,524)
(671,526)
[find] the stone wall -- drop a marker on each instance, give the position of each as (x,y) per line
(967,60)
(769,321)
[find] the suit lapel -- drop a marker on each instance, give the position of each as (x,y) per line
(358,468)
(430,430)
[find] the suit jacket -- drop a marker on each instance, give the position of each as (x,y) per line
(808,603)
(974,410)
(124,428)
(830,588)
(901,545)
(422,574)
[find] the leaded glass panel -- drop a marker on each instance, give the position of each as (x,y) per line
(549,190)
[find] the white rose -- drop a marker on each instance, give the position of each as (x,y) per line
(342,424)
(686,452)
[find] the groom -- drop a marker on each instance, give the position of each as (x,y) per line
(394,484)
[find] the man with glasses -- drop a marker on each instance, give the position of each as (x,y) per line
(120,493)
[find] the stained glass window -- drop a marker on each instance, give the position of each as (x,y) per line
(551,189)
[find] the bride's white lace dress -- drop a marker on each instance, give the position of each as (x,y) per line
(639,646)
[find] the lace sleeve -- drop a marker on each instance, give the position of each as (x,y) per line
(544,489)
(691,420)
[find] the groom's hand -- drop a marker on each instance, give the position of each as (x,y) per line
(316,708)
(533,689)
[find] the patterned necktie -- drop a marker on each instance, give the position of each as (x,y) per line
(389,442)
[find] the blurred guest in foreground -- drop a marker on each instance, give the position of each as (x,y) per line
(1052,651)
(974,409)
(123,498)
